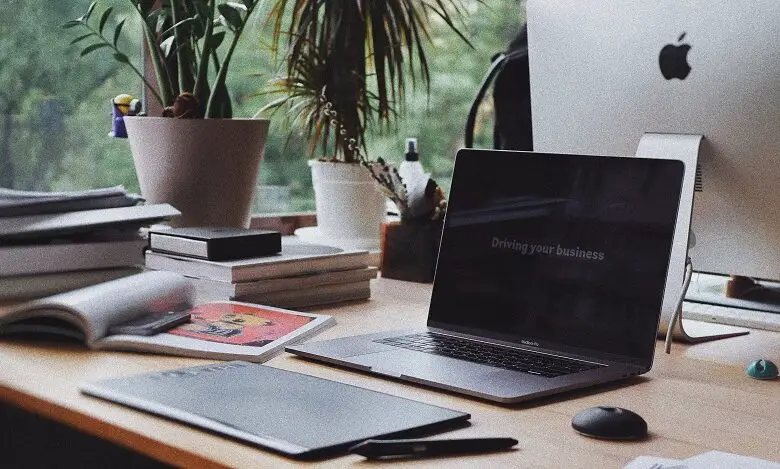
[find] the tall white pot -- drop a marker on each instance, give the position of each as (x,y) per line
(349,207)
(206,168)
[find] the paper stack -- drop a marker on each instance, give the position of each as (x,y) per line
(708,460)
(51,242)
(301,275)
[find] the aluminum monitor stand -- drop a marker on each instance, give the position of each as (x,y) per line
(684,148)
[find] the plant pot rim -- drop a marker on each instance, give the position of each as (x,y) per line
(314,161)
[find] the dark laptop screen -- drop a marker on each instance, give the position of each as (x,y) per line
(558,251)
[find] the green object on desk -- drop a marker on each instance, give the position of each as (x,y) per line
(762,369)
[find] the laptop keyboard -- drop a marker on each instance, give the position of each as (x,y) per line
(478,352)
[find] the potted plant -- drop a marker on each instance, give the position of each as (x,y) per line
(194,156)
(346,69)
(409,246)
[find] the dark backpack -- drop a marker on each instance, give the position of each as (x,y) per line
(511,95)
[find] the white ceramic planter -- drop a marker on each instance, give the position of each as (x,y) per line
(348,203)
(206,168)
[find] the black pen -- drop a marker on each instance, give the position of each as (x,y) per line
(373,449)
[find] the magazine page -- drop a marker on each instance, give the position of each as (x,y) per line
(227,330)
(93,309)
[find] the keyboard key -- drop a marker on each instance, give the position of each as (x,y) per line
(501,357)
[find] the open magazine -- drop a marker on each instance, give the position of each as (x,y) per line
(226,330)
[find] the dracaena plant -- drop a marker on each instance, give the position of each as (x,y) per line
(347,64)
(190,44)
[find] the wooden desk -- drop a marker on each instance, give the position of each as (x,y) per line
(696,399)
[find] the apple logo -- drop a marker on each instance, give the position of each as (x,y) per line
(673,60)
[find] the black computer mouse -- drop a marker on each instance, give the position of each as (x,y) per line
(611,423)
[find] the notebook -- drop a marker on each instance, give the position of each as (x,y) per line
(284,411)
(550,277)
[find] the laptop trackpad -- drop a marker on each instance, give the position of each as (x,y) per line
(429,367)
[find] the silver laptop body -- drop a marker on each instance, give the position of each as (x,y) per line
(560,258)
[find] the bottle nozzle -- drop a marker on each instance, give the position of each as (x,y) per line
(411,150)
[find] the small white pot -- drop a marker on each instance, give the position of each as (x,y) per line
(206,168)
(349,206)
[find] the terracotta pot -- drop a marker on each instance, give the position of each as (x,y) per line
(206,168)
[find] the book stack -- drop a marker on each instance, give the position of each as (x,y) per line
(52,242)
(300,275)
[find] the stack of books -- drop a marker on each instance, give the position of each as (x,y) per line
(300,275)
(52,242)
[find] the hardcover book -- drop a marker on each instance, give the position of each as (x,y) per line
(67,257)
(15,202)
(24,287)
(296,282)
(26,227)
(215,243)
(315,296)
(219,330)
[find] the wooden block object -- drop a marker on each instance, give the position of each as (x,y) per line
(409,250)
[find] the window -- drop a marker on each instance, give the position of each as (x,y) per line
(55,106)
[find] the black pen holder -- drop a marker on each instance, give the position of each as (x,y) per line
(410,250)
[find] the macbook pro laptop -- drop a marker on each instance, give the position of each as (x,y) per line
(550,277)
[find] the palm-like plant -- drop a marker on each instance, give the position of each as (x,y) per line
(183,39)
(347,63)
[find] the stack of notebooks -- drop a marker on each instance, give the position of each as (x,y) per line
(52,242)
(297,275)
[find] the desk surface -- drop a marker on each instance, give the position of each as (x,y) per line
(696,399)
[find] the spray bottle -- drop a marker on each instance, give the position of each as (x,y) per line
(410,168)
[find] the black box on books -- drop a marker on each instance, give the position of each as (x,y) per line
(215,243)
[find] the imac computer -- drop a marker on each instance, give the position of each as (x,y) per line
(604,73)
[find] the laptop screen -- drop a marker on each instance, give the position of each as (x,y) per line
(562,252)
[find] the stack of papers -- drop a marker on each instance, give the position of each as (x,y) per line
(709,460)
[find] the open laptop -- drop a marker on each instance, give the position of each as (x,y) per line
(550,277)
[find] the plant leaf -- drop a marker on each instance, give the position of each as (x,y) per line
(80,38)
(91,8)
(231,15)
(238,6)
(122,58)
(158,17)
(72,24)
(145,6)
(104,19)
(215,40)
(166,46)
(118,31)
(93,47)
(179,24)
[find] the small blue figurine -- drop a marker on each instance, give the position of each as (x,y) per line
(120,107)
